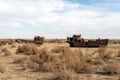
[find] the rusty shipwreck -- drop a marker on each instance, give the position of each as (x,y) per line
(77,41)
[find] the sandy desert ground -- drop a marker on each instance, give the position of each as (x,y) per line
(57,61)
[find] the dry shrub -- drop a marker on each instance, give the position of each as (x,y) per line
(0,52)
(68,60)
(4,49)
(44,61)
(72,58)
(119,53)
(25,62)
(66,75)
(2,68)
(0,44)
(13,46)
(47,67)
(58,50)
(101,52)
(84,68)
(42,57)
(28,49)
(6,52)
(76,61)
(112,69)
(6,41)
(19,60)
(97,62)
(30,65)
(110,54)
(104,54)
(56,41)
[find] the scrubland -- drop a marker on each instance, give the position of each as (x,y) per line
(57,61)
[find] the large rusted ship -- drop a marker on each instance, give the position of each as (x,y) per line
(77,41)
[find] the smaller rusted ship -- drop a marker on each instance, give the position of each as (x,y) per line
(37,40)
(77,41)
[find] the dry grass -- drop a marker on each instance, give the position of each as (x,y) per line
(97,61)
(28,49)
(66,75)
(101,52)
(114,41)
(85,68)
(72,57)
(55,40)
(76,61)
(68,60)
(106,54)
(112,69)
(119,53)
(19,60)
(28,64)
(58,50)
(2,68)
(6,41)
(6,51)
(13,46)
(68,64)
(45,60)
(0,52)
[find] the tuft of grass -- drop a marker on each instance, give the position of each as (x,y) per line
(30,65)
(72,58)
(6,52)
(66,75)
(43,61)
(112,69)
(2,68)
(58,50)
(84,68)
(4,49)
(19,60)
(42,57)
(119,53)
(97,62)
(28,49)
(105,54)
(0,52)
(76,61)
(46,60)
(13,46)
(101,52)
(110,54)
(6,41)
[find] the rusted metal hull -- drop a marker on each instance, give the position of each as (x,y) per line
(100,43)
(39,40)
(78,41)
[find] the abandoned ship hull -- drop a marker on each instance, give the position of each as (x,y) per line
(78,41)
(101,43)
(78,44)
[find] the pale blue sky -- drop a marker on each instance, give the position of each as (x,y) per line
(59,18)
